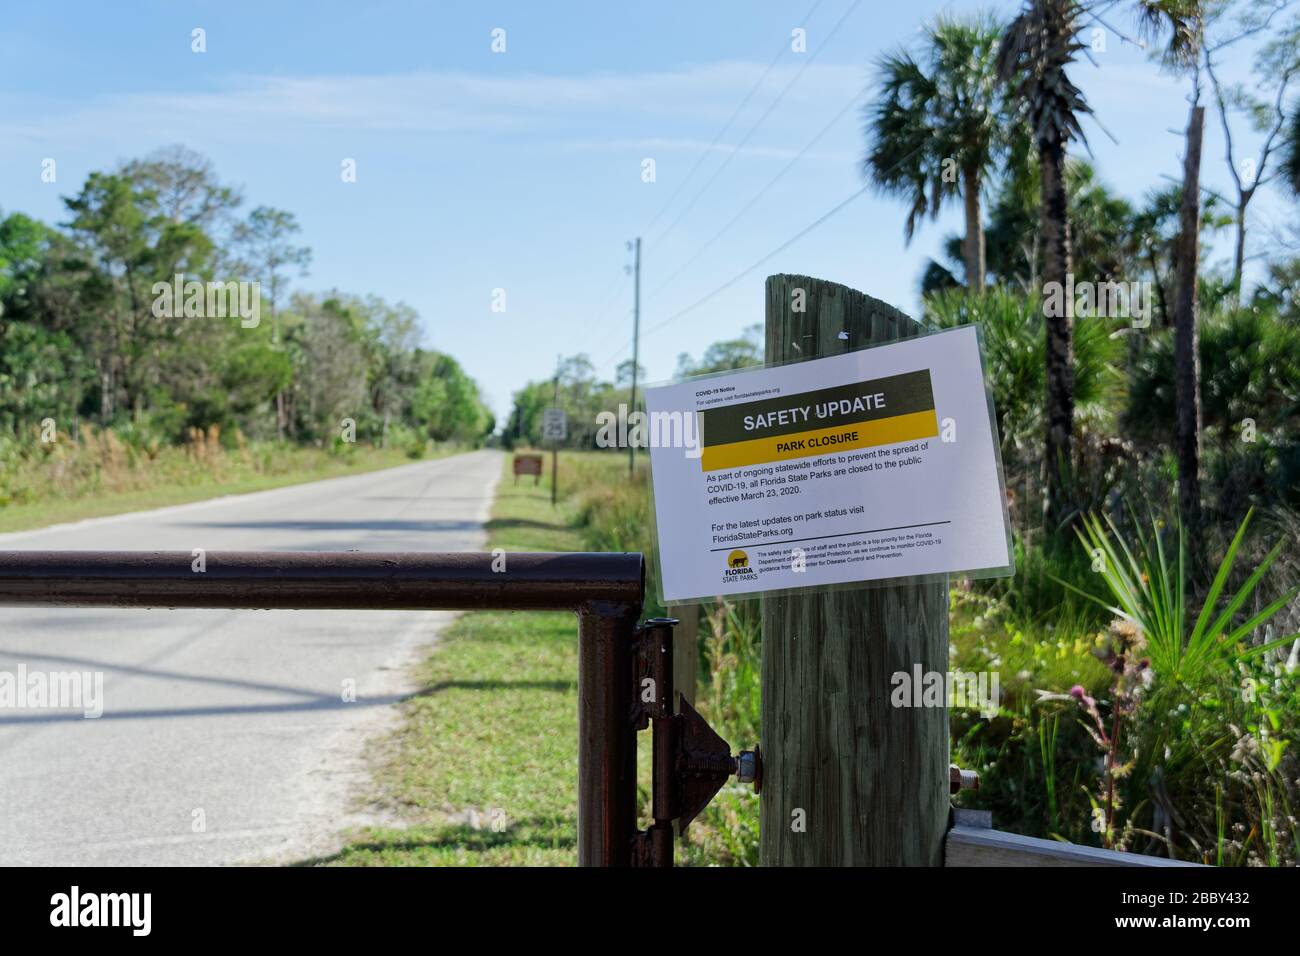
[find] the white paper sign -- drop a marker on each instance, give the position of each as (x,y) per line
(879,463)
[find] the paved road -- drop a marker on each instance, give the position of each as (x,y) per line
(224,736)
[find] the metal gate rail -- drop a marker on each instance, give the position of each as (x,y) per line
(604,590)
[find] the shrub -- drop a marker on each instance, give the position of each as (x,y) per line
(1206,744)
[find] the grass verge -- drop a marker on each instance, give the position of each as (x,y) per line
(293,466)
(484,772)
(485,768)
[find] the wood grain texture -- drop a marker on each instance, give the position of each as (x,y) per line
(686,650)
(871,779)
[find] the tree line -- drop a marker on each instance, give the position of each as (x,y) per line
(986,113)
(83,339)
(583,395)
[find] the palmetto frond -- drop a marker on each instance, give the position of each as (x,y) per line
(1181,19)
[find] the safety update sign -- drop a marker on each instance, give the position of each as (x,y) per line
(879,463)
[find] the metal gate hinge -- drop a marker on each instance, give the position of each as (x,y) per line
(703,762)
(651,681)
(691,761)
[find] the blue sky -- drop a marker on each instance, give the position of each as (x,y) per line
(522,170)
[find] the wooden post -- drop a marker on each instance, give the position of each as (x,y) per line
(636,350)
(686,650)
(848,780)
(555,443)
(686,660)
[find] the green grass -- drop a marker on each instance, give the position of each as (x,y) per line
(45,513)
(493,737)
(485,769)
(304,465)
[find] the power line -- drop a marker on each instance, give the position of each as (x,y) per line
(726,126)
(615,290)
(740,275)
(779,249)
(628,270)
(615,354)
(761,192)
(636,345)
(799,235)
(757,196)
(608,337)
(759,122)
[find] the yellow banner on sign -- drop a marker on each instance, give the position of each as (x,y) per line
(882,431)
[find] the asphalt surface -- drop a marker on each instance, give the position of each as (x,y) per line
(224,736)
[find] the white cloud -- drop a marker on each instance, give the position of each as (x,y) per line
(664,144)
(258,107)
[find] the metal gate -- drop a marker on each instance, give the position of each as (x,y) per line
(624,667)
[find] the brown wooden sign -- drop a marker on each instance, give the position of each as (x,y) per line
(528,465)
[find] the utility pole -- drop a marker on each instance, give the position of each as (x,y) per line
(555,442)
(636,352)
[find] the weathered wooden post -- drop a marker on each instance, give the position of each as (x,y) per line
(848,780)
(686,650)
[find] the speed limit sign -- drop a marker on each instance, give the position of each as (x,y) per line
(555,424)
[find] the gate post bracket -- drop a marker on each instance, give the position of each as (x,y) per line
(691,762)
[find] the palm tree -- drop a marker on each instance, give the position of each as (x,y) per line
(1036,49)
(939,126)
(1291,152)
(1103,243)
(1154,234)
(1183,56)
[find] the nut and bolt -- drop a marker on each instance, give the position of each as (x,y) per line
(959,779)
(749,768)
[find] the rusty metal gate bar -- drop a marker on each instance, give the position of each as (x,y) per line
(605,591)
